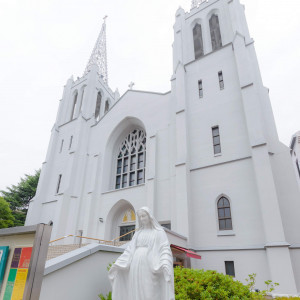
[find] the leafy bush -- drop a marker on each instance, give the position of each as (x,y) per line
(288,298)
(194,284)
(191,284)
(108,296)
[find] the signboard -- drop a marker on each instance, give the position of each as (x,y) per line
(3,259)
(23,252)
(18,273)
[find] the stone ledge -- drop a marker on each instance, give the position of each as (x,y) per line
(64,260)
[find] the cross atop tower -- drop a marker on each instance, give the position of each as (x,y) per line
(99,56)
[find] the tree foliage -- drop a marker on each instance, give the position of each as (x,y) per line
(18,196)
(6,217)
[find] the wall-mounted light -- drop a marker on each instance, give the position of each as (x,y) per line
(101,220)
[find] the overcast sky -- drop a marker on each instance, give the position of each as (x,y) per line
(44,42)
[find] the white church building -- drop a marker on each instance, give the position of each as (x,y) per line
(204,157)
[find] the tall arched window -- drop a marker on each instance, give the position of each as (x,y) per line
(224,214)
(98,106)
(74,105)
(215,33)
(131,160)
(198,41)
(106,109)
(82,95)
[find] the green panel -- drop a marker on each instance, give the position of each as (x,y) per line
(10,284)
(3,260)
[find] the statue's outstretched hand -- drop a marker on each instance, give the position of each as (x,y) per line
(167,276)
(112,272)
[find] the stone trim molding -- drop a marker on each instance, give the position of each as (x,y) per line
(64,260)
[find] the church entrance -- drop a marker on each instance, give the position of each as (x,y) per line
(124,230)
(127,225)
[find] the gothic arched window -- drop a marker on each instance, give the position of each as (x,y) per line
(98,106)
(131,160)
(198,41)
(224,214)
(74,105)
(82,95)
(215,33)
(106,109)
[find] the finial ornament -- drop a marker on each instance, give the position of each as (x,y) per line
(196,3)
(99,56)
(131,84)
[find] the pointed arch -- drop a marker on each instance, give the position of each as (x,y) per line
(215,32)
(224,213)
(82,97)
(198,41)
(131,160)
(114,220)
(74,105)
(112,149)
(107,106)
(98,106)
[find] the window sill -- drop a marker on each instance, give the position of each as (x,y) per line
(226,233)
(51,201)
(125,188)
(58,194)
(218,154)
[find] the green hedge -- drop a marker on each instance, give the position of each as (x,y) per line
(192,284)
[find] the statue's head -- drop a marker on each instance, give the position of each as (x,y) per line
(146,219)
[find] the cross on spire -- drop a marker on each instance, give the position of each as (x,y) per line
(131,84)
(99,56)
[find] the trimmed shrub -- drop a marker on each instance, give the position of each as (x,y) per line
(192,284)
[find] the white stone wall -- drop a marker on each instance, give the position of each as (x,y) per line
(80,274)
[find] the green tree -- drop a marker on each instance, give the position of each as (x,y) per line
(6,217)
(18,196)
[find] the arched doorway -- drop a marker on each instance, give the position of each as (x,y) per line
(120,220)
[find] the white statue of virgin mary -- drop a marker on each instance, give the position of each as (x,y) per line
(145,270)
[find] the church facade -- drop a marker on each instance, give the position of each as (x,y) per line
(204,157)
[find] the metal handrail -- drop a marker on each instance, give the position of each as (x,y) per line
(124,234)
(78,236)
(89,238)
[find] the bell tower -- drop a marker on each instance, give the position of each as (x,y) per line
(223,116)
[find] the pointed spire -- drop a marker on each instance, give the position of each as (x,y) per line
(98,56)
(196,3)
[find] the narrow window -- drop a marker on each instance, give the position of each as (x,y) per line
(200,88)
(98,106)
(298,167)
(106,106)
(81,102)
(198,41)
(224,214)
(71,141)
(215,33)
(74,106)
(221,80)
(61,146)
(131,160)
(216,140)
(58,183)
(229,268)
